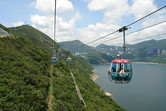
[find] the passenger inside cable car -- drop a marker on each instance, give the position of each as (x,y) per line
(54,60)
(69,60)
(121,71)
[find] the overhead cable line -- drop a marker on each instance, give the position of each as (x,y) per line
(150,37)
(54,52)
(134,31)
(119,30)
(95,40)
(102,37)
(143,38)
(146,16)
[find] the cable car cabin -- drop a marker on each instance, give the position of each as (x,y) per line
(54,60)
(69,60)
(120,71)
(62,56)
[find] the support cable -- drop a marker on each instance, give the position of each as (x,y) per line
(146,16)
(134,31)
(152,36)
(121,28)
(54,52)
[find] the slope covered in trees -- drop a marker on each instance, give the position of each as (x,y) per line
(34,35)
(28,80)
(24,75)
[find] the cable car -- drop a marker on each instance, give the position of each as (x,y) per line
(62,56)
(120,71)
(54,60)
(69,60)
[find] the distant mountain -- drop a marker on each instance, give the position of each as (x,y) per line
(76,46)
(112,50)
(150,44)
(147,51)
(103,46)
(92,55)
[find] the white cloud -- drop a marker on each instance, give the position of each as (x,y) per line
(96,31)
(141,8)
(67,26)
(47,6)
(148,33)
(45,22)
(41,21)
(18,23)
(114,10)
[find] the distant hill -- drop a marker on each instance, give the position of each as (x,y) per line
(92,55)
(147,51)
(150,44)
(76,46)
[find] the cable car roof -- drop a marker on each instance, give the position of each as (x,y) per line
(68,58)
(120,61)
(54,57)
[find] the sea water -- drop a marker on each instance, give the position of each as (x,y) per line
(145,92)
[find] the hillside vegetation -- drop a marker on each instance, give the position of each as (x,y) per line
(30,83)
(34,35)
(24,75)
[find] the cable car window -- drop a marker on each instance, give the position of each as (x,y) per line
(113,67)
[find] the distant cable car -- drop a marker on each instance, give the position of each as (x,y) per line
(54,60)
(62,56)
(120,71)
(69,60)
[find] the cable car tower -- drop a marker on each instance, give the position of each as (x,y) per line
(121,69)
(54,59)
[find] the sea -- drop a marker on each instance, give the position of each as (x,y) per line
(145,92)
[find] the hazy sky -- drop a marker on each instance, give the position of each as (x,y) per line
(86,20)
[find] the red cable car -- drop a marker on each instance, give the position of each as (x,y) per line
(120,71)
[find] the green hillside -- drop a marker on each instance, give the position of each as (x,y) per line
(34,35)
(24,75)
(30,83)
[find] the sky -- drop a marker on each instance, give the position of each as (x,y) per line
(87,20)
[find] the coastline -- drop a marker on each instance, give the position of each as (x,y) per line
(137,63)
(148,63)
(94,77)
